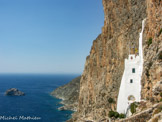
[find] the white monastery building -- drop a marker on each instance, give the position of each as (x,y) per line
(130,87)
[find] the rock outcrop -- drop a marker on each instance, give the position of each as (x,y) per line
(69,94)
(14,92)
(105,64)
(152,74)
(150,115)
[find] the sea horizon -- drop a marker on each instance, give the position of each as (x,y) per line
(41,74)
(37,101)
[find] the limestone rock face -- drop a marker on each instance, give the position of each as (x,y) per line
(152,74)
(14,92)
(69,93)
(105,65)
(152,114)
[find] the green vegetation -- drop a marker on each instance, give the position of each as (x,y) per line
(111,114)
(110,100)
(147,73)
(114,114)
(160,31)
(148,88)
(122,115)
(133,107)
(136,50)
(149,41)
(161,100)
(161,94)
(160,55)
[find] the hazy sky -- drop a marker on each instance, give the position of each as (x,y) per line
(47,36)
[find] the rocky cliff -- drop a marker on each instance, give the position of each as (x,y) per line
(152,74)
(69,94)
(104,66)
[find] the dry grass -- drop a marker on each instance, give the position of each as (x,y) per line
(155,119)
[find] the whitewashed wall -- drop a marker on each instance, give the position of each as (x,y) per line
(127,88)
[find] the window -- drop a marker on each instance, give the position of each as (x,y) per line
(131,98)
(131,80)
(133,70)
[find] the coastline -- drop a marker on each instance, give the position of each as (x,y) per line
(68,94)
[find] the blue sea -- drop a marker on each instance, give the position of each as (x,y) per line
(37,102)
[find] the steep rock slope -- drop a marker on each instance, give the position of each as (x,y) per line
(152,74)
(69,93)
(105,64)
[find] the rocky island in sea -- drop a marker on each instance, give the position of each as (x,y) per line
(69,94)
(14,92)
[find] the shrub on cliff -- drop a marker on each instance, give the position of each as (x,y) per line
(133,107)
(122,116)
(110,100)
(160,32)
(111,114)
(160,94)
(149,41)
(116,114)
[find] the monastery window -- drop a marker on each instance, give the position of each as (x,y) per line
(131,80)
(131,98)
(133,70)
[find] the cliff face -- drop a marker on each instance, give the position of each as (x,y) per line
(105,64)
(69,94)
(152,74)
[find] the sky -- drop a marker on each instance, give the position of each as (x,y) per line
(48,36)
